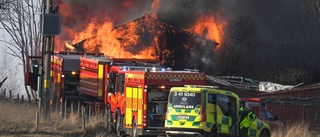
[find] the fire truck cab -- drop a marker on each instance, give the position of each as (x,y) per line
(207,111)
(102,82)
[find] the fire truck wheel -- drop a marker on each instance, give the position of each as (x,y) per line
(108,120)
(119,124)
(134,128)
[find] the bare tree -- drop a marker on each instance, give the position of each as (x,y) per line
(3,4)
(240,46)
(7,70)
(20,19)
(313,6)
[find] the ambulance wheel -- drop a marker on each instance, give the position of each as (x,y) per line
(108,120)
(265,133)
(134,128)
(212,132)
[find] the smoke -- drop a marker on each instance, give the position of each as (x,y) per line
(77,14)
(184,13)
(118,11)
(180,13)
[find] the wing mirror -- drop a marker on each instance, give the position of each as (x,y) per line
(276,118)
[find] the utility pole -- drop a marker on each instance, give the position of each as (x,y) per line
(50,26)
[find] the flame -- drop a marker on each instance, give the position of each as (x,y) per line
(100,34)
(155,5)
(105,37)
(68,45)
(210,27)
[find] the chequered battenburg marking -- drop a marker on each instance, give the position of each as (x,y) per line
(184,77)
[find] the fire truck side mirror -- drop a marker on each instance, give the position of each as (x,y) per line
(111,82)
(112,77)
(110,87)
(35,67)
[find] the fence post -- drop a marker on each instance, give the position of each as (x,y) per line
(84,118)
(71,108)
(79,108)
(22,98)
(4,93)
(18,97)
(90,110)
(37,120)
(97,112)
(65,109)
(10,94)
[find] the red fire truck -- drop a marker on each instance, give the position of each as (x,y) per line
(102,80)
(132,92)
(65,69)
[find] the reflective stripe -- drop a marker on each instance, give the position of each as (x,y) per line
(224,124)
(255,128)
(182,76)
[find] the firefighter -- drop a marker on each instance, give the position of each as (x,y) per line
(246,117)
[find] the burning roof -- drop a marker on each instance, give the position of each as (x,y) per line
(152,38)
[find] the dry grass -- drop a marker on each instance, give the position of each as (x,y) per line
(19,119)
(297,129)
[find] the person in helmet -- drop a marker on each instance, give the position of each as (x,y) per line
(246,117)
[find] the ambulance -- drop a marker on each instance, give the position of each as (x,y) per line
(197,110)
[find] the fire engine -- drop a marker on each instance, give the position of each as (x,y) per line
(65,73)
(132,92)
(65,69)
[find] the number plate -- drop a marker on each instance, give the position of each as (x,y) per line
(183,117)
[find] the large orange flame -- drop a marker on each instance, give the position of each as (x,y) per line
(104,36)
(100,34)
(210,27)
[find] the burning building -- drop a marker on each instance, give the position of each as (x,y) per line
(145,36)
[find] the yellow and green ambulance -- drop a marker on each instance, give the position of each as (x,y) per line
(196,110)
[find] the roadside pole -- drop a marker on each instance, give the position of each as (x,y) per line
(50,26)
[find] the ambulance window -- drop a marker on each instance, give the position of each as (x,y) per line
(212,98)
(185,100)
(226,104)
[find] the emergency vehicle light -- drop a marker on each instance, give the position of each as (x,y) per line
(62,76)
(73,72)
(124,69)
(153,68)
(144,68)
(162,87)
